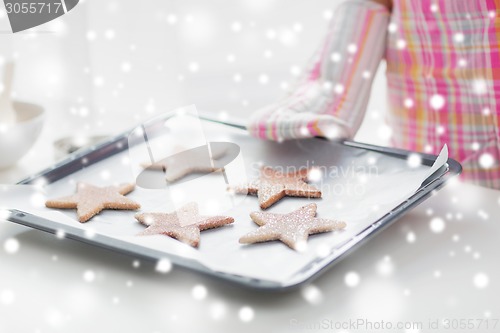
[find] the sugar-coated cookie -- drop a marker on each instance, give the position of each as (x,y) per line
(273,185)
(293,228)
(183,224)
(90,200)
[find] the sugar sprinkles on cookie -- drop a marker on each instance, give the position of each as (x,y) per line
(293,228)
(90,200)
(273,185)
(183,224)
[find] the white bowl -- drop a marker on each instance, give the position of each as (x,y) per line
(17,139)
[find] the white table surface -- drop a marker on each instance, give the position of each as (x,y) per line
(438,276)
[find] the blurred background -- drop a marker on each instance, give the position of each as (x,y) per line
(108,65)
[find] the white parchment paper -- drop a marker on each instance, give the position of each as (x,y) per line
(359,187)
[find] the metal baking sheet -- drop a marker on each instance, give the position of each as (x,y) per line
(366,186)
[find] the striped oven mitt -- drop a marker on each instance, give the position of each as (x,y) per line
(331,99)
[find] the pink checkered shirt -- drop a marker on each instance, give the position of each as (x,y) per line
(443,72)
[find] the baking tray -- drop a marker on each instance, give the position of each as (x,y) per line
(86,159)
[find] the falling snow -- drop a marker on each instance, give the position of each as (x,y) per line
(263,79)
(271,34)
(126,67)
(339,89)
(163,266)
(237,77)
(336,57)
(60,234)
(481,280)
(459,37)
(392,27)
(89,276)
(314,175)
(385,267)
(218,310)
(401,44)
(323,250)
(199,292)
(7,297)
(295,70)
(479,86)
(437,102)
(90,232)
(437,225)
(109,34)
(236,26)
(91,35)
(414,160)
(486,161)
(352,48)
(11,246)
(312,294)
(172,19)
(327,14)
(193,67)
(98,81)
(352,279)
(408,103)
(384,132)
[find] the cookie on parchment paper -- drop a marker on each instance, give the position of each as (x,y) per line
(185,162)
(183,224)
(293,228)
(273,185)
(90,200)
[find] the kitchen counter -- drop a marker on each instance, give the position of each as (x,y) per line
(437,267)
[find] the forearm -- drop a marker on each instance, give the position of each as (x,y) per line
(351,55)
(331,98)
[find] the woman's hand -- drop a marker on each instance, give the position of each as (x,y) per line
(292,117)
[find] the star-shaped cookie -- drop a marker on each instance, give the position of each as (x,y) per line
(183,163)
(90,200)
(273,185)
(183,224)
(293,228)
